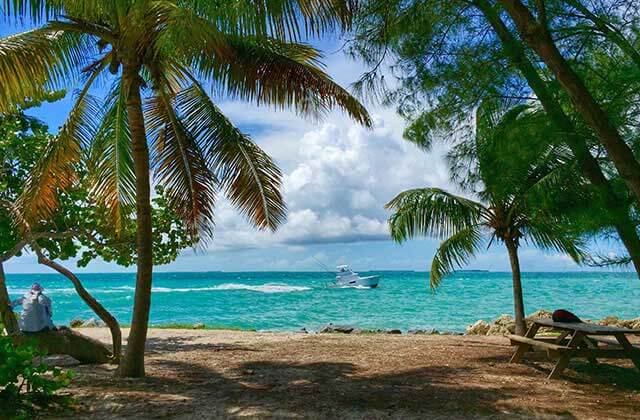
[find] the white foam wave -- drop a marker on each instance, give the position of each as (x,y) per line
(17,291)
(262,288)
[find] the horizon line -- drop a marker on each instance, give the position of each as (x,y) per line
(321,271)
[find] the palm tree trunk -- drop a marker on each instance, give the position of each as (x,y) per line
(588,164)
(101,311)
(537,36)
(518,301)
(133,362)
(6,313)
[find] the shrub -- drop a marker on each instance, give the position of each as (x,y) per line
(25,379)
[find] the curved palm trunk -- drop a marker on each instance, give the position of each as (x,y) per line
(101,311)
(536,35)
(588,164)
(6,314)
(132,364)
(518,301)
(65,341)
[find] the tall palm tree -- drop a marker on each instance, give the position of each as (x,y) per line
(163,56)
(508,210)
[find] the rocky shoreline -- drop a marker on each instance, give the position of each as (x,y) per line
(504,324)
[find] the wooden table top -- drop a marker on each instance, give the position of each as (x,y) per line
(592,329)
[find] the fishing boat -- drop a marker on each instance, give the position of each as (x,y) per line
(345,277)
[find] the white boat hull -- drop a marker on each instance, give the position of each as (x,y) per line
(368,282)
(345,277)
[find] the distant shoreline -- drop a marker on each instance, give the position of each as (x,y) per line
(80,272)
(503,324)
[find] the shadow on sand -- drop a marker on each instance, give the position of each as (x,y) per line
(185,386)
(186,344)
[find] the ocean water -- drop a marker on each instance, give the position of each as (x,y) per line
(289,301)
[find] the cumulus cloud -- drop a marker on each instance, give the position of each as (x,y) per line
(337,177)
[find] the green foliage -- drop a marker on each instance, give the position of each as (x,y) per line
(433,212)
(25,379)
(242,49)
(170,236)
(448,59)
(449,63)
(22,140)
(514,188)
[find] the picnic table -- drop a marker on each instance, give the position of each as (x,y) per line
(576,339)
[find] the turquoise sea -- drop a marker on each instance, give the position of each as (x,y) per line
(289,301)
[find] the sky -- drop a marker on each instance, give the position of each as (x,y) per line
(337,178)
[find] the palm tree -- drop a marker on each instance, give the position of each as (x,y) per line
(508,209)
(158,117)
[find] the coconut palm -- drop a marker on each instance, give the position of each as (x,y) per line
(507,210)
(164,58)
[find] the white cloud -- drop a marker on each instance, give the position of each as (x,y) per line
(337,177)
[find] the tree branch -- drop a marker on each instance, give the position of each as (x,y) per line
(101,311)
(31,237)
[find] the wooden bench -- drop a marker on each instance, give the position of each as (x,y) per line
(610,342)
(553,350)
(576,340)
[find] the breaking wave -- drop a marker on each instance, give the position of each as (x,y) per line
(261,288)
(264,288)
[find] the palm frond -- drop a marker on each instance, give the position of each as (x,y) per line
(37,61)
(431,212)
(554,235)
(453,252)
(262,70)
(250,178)
(111,170)
(38,11)
(31,10)
(282,19)
(56,168)
(180,166)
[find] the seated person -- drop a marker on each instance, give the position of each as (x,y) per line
(36,311)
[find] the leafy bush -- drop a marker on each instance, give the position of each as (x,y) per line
(25,379)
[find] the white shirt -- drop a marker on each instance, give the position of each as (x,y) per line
(36,312)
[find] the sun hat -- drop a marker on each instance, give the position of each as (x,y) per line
(35,287)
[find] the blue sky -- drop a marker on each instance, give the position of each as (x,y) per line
(338,176)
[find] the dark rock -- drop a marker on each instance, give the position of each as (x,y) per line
(93,323)
(394,331)
(422,332)
(331,328)
(75,323)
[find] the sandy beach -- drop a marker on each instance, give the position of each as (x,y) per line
(228,374)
